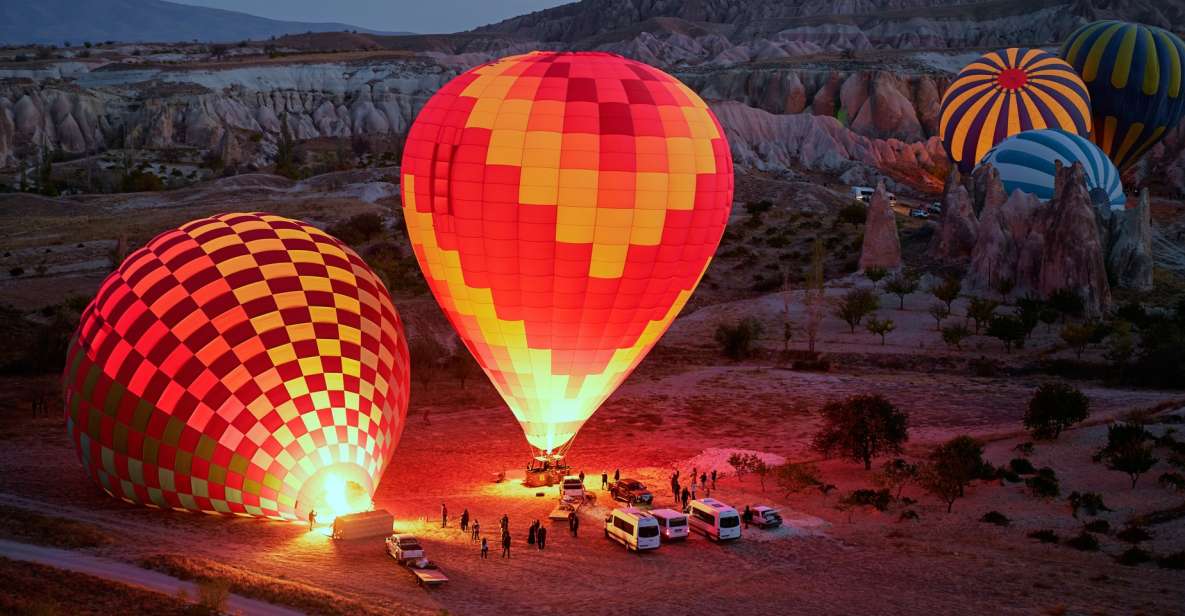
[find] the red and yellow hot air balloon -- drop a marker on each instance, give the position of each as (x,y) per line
(563,206)
(243,364)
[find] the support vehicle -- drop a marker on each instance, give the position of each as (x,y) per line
(404,548)
(714,519)
(765,517)
(631,491)
(633,528)
(672,525)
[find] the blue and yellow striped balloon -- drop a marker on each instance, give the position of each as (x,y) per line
(1026,161)
(1134,73)
(1006,92)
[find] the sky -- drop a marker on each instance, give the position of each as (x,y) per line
(422,16)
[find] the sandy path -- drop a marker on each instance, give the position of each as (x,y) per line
(129,574)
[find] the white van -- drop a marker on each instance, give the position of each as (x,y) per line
(863,194)
(633,528)
(671,524)
(572,487)
(714,519)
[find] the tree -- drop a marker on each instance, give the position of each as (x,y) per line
(813,299)
(426,356)
(880,327)
(901,285)
(1120,344)
(461,366)
(1067,302)
(895,475)
(285,150)
(1008,329)
(737,341)
(861,428)
(940,482)
(1078,336)
(743,463)
(1127,451)
(939,311)
(1053,408)
(1004,287)
(855,305)
(961,458)
(947,291)
(953,335)
(981,311)
(875,274)
(760,468)
(795,477)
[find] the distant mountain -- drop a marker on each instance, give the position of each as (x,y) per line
(55,21)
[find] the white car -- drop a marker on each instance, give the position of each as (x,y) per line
(404,548)
(765,517)
(918,213)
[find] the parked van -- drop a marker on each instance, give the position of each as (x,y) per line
(633,528)
(714,519)
(671,524)
(862,193)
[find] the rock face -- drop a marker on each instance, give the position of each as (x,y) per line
(1129,262)
(957,234)
(882,248)
(1042,247)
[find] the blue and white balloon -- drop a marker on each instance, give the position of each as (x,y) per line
(1026,161)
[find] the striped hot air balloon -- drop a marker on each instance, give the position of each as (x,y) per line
(1006,92)
(1027,161)
(1134,74)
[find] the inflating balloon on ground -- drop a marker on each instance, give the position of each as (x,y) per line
(1028,162)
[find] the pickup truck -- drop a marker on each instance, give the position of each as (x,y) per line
(404,548)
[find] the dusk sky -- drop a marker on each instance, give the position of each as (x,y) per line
(397,15)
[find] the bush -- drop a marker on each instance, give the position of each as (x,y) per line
(861,428)
(865,497)
(908,514)
(1101,527)
(853,214)
(995,517)
(855,305)
(1175,560)
(1133,534)
(952,466)
(1044,484)
(1127,452)
(1133,556)
(1044,536)
(1084,542)
(358,229)
(1007,474)
(1173,481)
(738,340)
(1054,407)
(1021,466)
(16,272)
(1089,502)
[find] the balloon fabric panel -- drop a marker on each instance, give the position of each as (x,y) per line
(1006,92)
(563,206)
(1027,161)
(226,362)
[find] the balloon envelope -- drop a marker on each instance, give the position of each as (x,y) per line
(1134,73)
(238,365)
(563,207)
(1027,161)
(1006,92)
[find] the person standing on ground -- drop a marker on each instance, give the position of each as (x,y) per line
(542,536)
(747,516)
(703,481)
(685,497)
(443,515)
(465,520)
(617,475)
(582,478)
(312,519)
(713,479)
(485,548)
(476,530)
(573,523)
(604,480)
(531,534)
(693,488)
(505,523)
(506,545)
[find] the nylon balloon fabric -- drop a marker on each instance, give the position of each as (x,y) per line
(1134,73)
(1028,162)
(563,207)
(1006,92)
(228,361)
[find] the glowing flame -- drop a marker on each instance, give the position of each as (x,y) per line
(335,491)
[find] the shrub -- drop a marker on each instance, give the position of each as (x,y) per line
(875,274)
(901,285)
(358,229)
(16,272)
(1101,527)
(952,466)
(947,291)
(795,477)
(1173,481)
(1054,407)
(855,305)
(1084,542)
(1089,502)
(908,514)
(1024,449)
(853,214)
(1007,474)
(861,428)
(981,311)
(738,340)
(865,497)
(953,335)
(895,475)
(1133,534)
(1127,452)
(1008,329)
(1044,484)
(995,517)
(1044,536)
(1176,560)
(1021,466)
(1133,556)
(880,327)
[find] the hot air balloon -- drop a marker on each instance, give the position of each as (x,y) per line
(1134,74)
(563,207)
(1027,162)
(242,364)
(1006,92)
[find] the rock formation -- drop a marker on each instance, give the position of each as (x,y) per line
(1003,229)
(1129,262)
(955,239)
(881,248)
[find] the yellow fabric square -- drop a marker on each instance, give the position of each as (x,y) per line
(608,261)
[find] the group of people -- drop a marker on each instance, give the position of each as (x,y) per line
(685,494)
(536,532)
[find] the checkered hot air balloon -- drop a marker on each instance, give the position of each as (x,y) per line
(563,207)
(1134,74)
(1027,161)
(241,364)
(1006,92)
